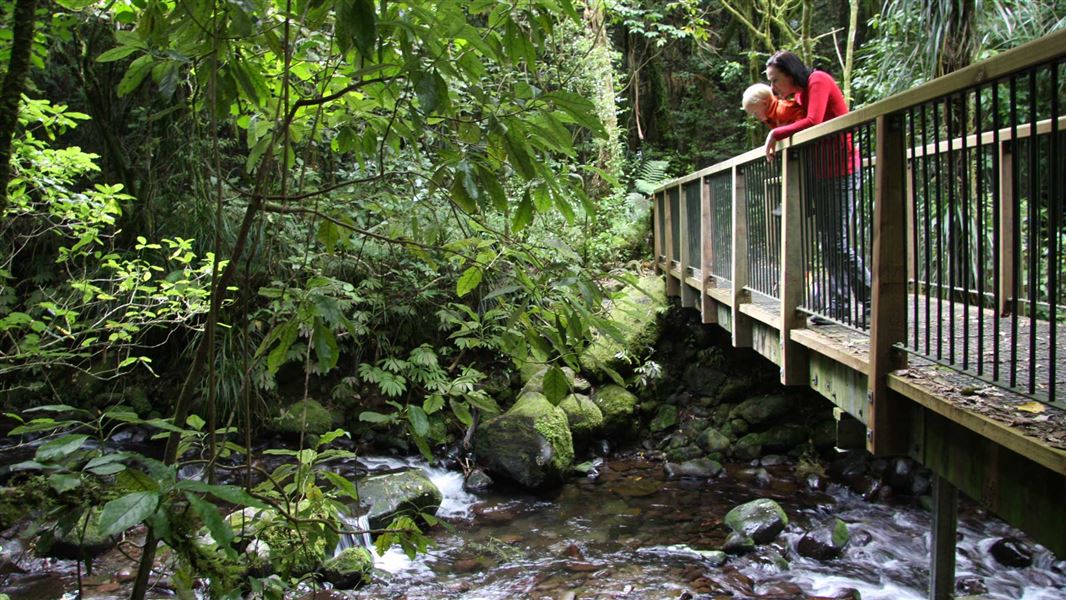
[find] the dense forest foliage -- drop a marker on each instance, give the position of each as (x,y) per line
(215,210)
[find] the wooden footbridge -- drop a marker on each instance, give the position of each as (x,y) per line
(906,261)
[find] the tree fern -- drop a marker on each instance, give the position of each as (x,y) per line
(651,175)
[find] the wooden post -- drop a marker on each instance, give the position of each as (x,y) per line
(708,307)
(656,218)
(741,322)
(794,362)
(1006,229)
(942,559)
(688,295)
(887,435)
(672,287)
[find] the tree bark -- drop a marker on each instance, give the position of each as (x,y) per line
(11,92)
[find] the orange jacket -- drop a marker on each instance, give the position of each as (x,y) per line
(782,112)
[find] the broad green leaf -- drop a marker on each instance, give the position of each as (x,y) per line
(556,387)
(212,519)
(433,403)
(116,54)
(228,493)
(468,281)
(490,182)
(484,402)
(580,109)
(135,74)
(60,447)
(127,511)
(524,215)
(75,4)
(356,25)
(63,482)
(370,416)
(326,438)
(432,91)
(134,480)
(326,349)
(461,196)
(418,419)
(342,484)
(518,152)
(423,446)
(461,411)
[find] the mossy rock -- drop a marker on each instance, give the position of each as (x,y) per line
(349,569)
(762,409)
(311,413)
(584,417)
(618,406)
(533,378)
(530,444)
(636,315)
(405,492)
(665,418)
(83,539)
(760,519)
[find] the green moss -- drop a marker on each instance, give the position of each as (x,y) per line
(317,419)
(349,568)
(549,421)
(635,314)
(584,417)
(618,405)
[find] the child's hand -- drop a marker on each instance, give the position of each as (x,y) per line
(771,146)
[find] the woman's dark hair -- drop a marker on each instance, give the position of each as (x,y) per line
(791,65)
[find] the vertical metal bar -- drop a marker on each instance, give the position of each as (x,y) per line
(980,174)
(964,201)
(945,520)
(866,221)
(1015,240)
(806,159)
(952,236)
(1053,234)
(1033,228)
(837,194)
(914,222)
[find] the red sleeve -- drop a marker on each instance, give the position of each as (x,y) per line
(815,100)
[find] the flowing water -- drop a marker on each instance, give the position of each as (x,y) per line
(632,533)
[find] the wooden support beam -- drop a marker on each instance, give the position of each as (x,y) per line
(942,559)
(794,359)
(708,308)
(741,322)
(887,427)
(656,218)
(673,284)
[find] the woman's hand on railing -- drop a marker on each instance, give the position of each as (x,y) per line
(771,146)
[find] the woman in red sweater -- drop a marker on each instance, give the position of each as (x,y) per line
(833,190)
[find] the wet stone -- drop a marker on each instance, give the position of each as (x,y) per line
(737,544)
(477,481)
(1012,552)
(33,586)
(697,468)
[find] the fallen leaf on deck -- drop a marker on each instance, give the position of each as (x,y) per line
(1031,407)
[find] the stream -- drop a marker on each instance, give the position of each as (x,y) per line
(630,532)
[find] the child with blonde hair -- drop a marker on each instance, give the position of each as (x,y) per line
(760,102)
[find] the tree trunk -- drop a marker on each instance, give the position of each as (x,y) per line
(11,92)
(849,51)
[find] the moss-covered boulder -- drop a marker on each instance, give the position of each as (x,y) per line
(760,519)
(386,496)
(308,416)
(584,417)
(349,569)
(618,406)
(530,444)
(761,409)
(665,418)
(532,375)
(712,440)
(635,313)
(83,539)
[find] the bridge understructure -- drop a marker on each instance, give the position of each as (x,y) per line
(906,262)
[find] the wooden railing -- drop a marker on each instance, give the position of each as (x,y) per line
(953,205)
